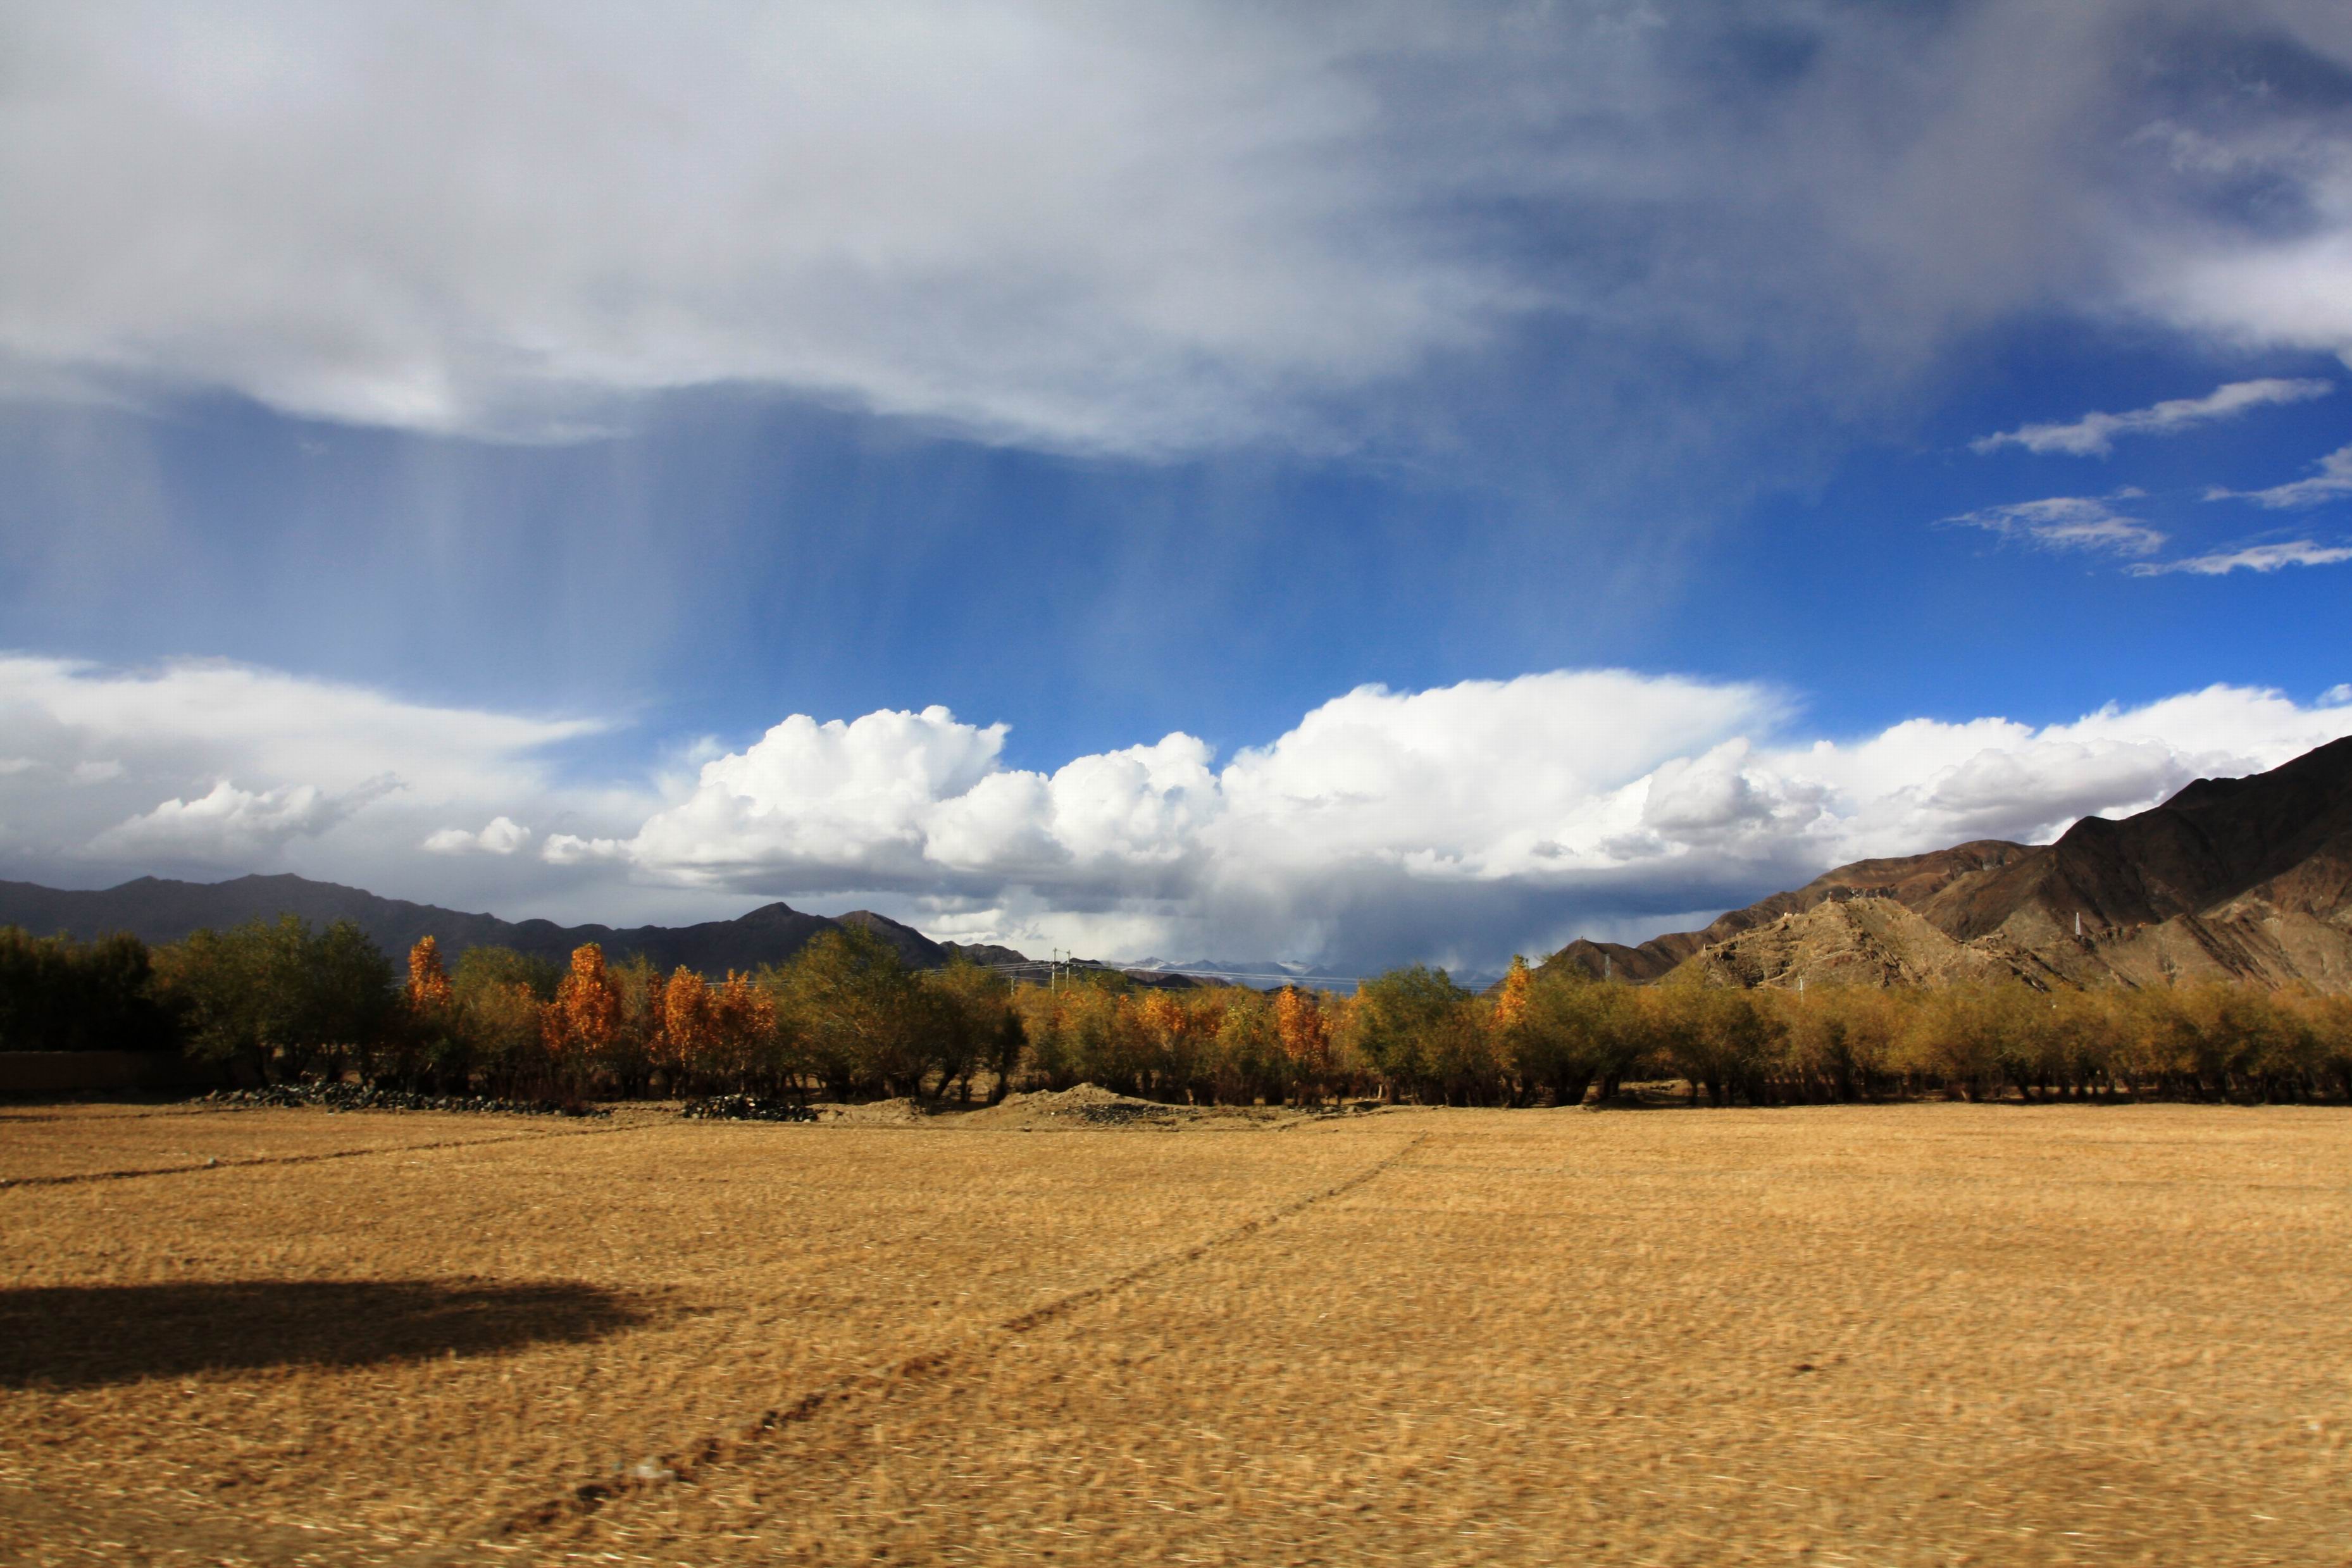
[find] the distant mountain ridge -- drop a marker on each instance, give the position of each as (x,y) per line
(2244,878)
(159,910)
(1276,972)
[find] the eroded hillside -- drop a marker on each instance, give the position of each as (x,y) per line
(2244,878)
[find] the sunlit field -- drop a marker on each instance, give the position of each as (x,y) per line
(1910,1334)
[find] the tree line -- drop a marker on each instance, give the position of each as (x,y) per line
(844,1019)
(1558,1036)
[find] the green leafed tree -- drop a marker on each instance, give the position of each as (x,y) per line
(1572,1031)
(1414,1027)
(282,999)
(60,994)
(859,1018)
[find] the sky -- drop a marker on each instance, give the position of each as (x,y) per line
(1351,485)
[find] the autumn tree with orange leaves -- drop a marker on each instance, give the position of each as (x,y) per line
(1304,1028)
(436,1029)
(740,1046)
(1510,1005)
(843,1016)
(1179,1035)
(689,1029)
(428,982)
(581,1026)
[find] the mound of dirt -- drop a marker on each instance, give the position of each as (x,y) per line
(1087,1105)
(900,1112)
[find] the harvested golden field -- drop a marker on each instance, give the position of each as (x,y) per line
(1918,1335)
(83,1142)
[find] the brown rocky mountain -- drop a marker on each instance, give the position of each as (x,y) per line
(916,950)
(2244,878)
(986,953)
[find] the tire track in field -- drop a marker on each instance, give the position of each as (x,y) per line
(245,1162)
(871,1386)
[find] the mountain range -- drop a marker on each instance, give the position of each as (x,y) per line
(159,910)
(2244,878)
(1261,972)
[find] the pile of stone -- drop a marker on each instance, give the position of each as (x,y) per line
(746,1108)
(1119,1112)
(366,1097)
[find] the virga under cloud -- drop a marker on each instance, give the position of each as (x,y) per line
(701,363)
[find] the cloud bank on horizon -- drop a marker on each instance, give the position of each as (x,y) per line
(1455,824)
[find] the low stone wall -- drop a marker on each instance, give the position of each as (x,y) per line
(30,1074)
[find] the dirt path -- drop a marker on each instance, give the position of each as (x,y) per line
(846,1399)
(355,1356)
(2012,1339)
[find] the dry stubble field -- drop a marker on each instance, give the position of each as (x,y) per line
(1915,1335)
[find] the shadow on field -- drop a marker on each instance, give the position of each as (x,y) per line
(70,1336)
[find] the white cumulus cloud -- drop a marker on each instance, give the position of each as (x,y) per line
(202,766)
(1455,824)
(499,836)
(227,827)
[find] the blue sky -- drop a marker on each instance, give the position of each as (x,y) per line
(419,420)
